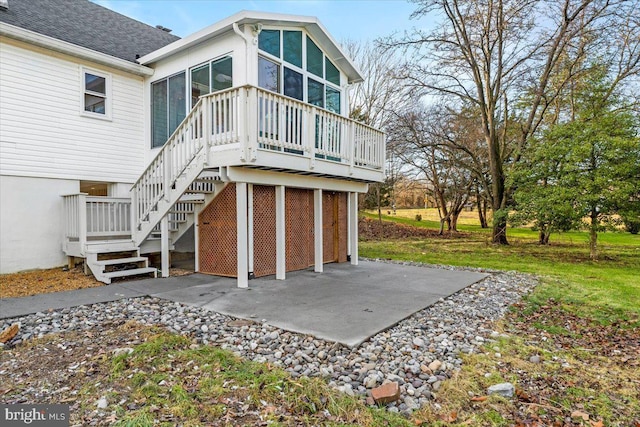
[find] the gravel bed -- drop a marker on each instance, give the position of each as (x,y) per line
(419,353)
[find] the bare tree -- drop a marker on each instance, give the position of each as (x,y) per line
(375,100)
(500,56)
(418,140)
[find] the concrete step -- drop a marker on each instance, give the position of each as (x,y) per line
(132,272)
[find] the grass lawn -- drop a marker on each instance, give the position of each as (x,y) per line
(600,289)
(583,321)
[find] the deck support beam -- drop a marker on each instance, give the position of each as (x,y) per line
(317,230)
(164,246)
(250,228)
(280,233)
(353,227)
(196,236)
(243,252)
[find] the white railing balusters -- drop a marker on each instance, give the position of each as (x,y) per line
(257,119)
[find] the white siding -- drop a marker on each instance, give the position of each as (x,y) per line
(42,130)
(31,223)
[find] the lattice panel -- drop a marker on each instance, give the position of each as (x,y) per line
(329,231)
(299,228)
(264,230)
(218,235)
(343,233)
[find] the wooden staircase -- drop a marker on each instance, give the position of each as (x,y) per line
(107,261)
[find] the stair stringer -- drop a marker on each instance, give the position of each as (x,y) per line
(191,218)
(190,174)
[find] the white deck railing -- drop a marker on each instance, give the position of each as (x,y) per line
(254,120)
(89,217)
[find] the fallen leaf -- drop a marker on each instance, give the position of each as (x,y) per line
(450,417)
(479,398)
(580,414)
(598,423)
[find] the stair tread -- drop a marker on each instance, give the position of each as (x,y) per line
(132,272)
(120,260)
(108,247)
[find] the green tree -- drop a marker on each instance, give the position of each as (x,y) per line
(586,168)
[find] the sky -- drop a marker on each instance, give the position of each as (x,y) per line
(359,20)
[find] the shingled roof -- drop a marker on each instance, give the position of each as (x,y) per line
(88,25)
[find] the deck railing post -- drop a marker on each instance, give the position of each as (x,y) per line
(311,135)
(206,128)
(166,173)
(82,221)
(251,120)
(134,210)
(351,144)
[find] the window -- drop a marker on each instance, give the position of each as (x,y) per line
(333,100)
(292,47)
(222,73)
(314,58)
(293,84)
(200,84)
(268,74)
(332,73)
(269,41)
(95,93)
(168,107)
(291,63)
(316,93)
(211,77)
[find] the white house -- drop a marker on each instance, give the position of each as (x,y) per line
(118,139)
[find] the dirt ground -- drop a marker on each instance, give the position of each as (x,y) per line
(55,280)
(371,229)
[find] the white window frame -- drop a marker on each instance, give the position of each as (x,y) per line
(306,75)
(209,62)
(107,95)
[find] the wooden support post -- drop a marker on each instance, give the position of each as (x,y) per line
(250,227)
(353,227)
(281,266)
(196,236)
(164,246)
(82,222)
(241,219)
(317,230)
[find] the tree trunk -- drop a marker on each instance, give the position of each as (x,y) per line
(593,236)
(454,220)
(484,213)
(441,232)
(378,200)
(499,232)
(543,237)
(482,209)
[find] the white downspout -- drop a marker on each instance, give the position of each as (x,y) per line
(257,29)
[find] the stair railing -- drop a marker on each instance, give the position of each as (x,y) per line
(214,120)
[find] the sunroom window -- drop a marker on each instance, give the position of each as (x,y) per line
(211,77)
(168,107)
(291,63)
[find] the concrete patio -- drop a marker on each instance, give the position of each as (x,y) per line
(346,304)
